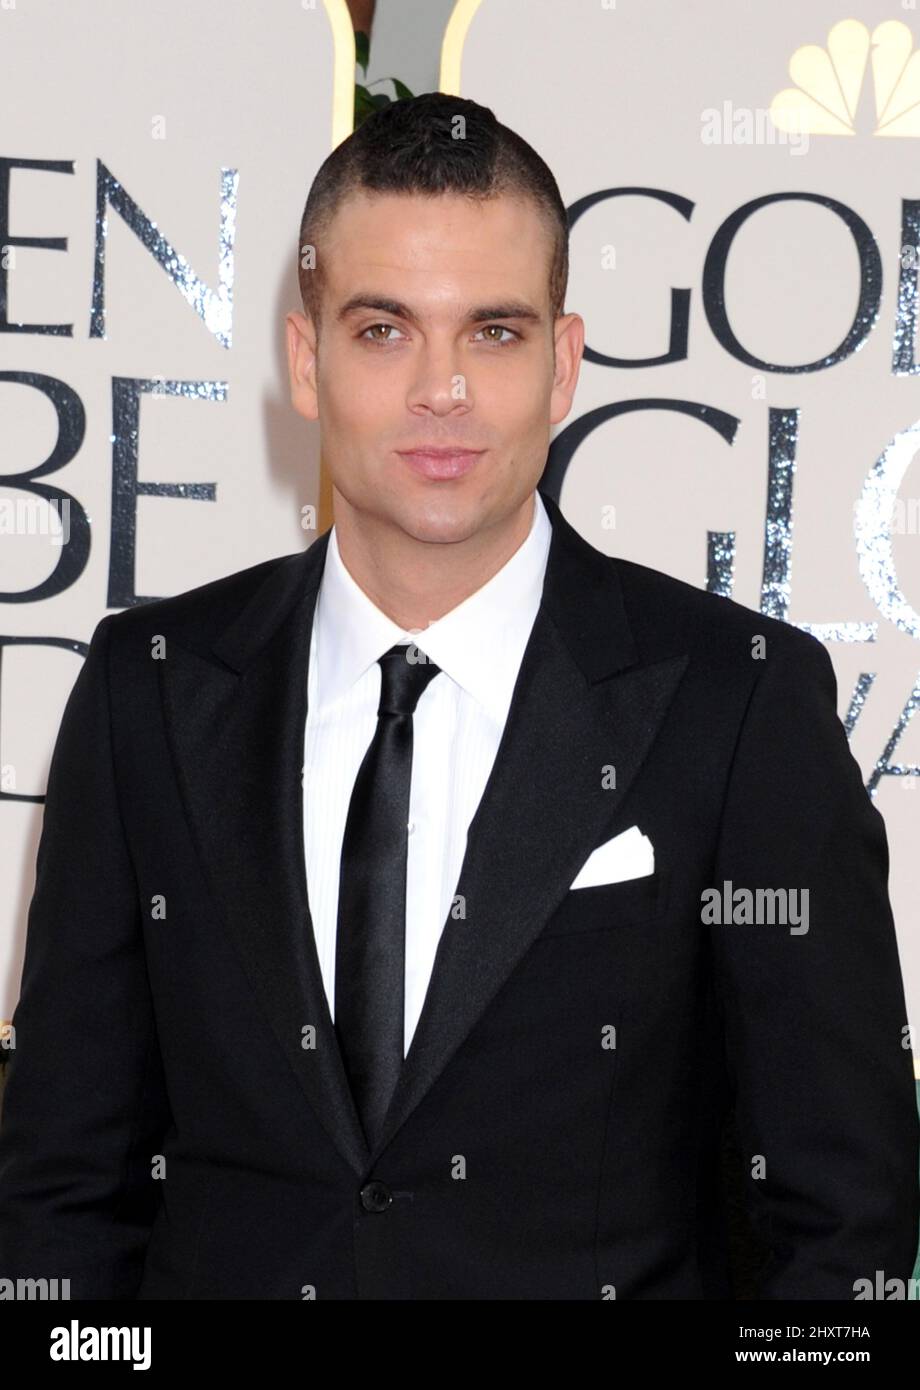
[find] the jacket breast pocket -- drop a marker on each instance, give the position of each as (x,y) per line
(609,906)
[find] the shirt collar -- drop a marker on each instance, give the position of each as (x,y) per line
(479,643)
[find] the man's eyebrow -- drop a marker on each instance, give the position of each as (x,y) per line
(480,313)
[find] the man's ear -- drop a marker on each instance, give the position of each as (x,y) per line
(569,331)
(301,355)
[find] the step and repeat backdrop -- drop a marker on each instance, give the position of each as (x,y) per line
(743,183)
(154,162)
(744,191)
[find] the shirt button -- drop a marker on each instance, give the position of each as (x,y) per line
(375,1196)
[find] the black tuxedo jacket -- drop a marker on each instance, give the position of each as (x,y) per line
(177,1121)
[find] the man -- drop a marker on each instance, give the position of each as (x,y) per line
(326,993)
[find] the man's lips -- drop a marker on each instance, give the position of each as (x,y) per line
(440,462)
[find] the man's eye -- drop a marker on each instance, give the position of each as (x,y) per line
(497,342)
(371,328)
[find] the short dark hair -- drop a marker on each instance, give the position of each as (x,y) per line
(411,147)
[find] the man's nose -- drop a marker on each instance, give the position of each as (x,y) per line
(440,382)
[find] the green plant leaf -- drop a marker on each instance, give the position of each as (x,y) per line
(362,50)
(367,102)
(364,107)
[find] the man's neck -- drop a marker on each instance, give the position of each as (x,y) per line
(415,582)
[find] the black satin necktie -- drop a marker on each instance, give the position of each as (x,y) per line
(370,944)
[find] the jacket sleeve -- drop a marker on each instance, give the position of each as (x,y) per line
(822,1073)
(85,1105)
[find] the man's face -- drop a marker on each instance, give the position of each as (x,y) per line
(439,366)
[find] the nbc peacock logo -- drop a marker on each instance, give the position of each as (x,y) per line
(827,98)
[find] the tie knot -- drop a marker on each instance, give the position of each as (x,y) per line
(405,671)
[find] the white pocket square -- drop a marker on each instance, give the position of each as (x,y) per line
(628,855)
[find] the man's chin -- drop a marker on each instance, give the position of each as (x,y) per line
(437,513)
(440,525)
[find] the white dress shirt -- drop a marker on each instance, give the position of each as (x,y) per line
(457,727)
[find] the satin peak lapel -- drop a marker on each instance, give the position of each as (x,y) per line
(581,701)
(236,711)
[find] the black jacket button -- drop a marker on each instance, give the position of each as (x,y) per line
(375,1196)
